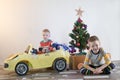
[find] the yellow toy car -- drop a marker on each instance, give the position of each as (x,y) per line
(21,63)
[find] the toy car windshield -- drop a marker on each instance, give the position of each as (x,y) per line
(28,49)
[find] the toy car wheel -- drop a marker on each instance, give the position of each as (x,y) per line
(21,68)
(59,65)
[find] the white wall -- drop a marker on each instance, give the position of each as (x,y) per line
(21,22)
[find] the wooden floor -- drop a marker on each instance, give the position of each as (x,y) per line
(47,74)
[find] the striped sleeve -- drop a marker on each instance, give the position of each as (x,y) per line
(87,59)
(106,57)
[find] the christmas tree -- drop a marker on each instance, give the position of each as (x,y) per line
(79,34)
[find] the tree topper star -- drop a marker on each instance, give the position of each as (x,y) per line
(79,12)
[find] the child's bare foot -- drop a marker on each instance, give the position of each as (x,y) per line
(80,65)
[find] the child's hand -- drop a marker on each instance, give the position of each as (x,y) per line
(98,71)
(43,50)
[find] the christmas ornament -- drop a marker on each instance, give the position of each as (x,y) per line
(75,28)
(72,49)
(77,36)
(72,41)
(85,26)
(78,44)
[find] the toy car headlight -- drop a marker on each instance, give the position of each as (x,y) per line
(6,65)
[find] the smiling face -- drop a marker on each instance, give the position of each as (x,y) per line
(95,46)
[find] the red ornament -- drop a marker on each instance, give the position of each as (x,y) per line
(78,44)
(75,28)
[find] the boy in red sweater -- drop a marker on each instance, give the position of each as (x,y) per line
(45,44)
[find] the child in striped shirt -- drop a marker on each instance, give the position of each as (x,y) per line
(94,63)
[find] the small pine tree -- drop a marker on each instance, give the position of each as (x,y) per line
(79,35)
